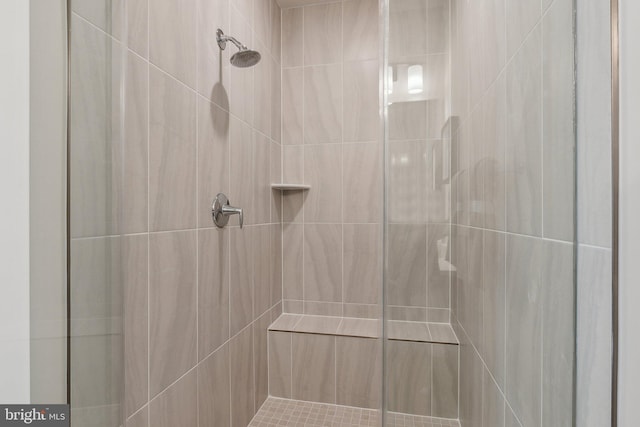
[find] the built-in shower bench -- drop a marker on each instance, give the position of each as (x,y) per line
(339,360)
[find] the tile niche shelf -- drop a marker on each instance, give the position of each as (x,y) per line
(290,187)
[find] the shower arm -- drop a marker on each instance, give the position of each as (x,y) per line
(223,39)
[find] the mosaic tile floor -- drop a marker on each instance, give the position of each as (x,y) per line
(284,412)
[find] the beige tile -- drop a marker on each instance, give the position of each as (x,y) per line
(241,100)
(241,184)
(136,150)
(214,388)
(360,30)
(213,290)
(410,314)
(320,308)
(358,372)
(361,113)
(242,386)
(522,16)
(438,26)
(323,104)
(362,174)
(470,384)
(492,402)
(292,37)
(442,333)
(261,270)
(292,103)
(293,164)
(407,273)
(438,236)
(367,328)
(362,311)
(408,331)
(407,120)
(241,276)
(286,322)
(276,101)
(293,306)
(292,206)
(318,324)
(280,364)
(172,307)
(172,154)
(178,405)
(510,419)
(408,171)
(262,88)
(323,34)
(323,262)
(409,377)
(261,359)
(275,172)
(438,315)
(213,158)
(407,24)
(262,179)
(172,38)
(494,39)
(314,359)
(323,172)
(136,321)
(276,31)
(140,419)
(444,396)
(213,64)
(362,263)
(106,15)
(292,269)
(275,252)
(262,21)
(470,311)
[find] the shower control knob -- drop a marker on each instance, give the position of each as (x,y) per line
(221,210)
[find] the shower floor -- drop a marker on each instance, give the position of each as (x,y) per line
(285,412)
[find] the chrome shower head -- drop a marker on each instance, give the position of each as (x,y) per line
(245,57)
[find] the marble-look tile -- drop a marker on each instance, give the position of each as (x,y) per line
(360,30)
(261,270)
(521,17)
(492,402)
(136,322)
(524,138)
(275,263)
(285,322)
(494,44)
(438,265)
(409,377)
(323,172)
(593,389)
(276,31)
(444,396)
(408,171)
(293,256)
(407,271)
(172,307)
(358,372)
(242,183)
(213,158)
(366,328)
(177,405)
(494,145)
(362,263)
(213,290)
(558,337)
(292,102)
(172,38)
(470,386)
(323,262)
(314,364)
(361,98)
(438,27)
(293,163)
(558,121)
(214,388)
(408,331)
(280,364)
(213,64)
(407,120)
(442,333)
(323,104)
(262,89)
(493,270)
(94,129)
(261,359)
(292,37)
(242,374)
(139,419)
(172,154)
(407,24)
(261,150)
(323,34)
(241,297)
(276,101)
(362,186)
(318,324)
(524,327)
(136,149)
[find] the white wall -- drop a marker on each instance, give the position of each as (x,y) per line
(14,208)
(629,376)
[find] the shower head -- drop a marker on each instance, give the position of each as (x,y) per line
(245,57)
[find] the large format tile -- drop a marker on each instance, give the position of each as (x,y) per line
(314,367)
(323,262)
(362,263)
(362,186)
(361,98)
(438,24)
(322,34)
(213,290)
(323,172)
(318,324)
(524,327)
(213,64)
(178,405)
(261,150)
(494,39)
(242,183)
(172,38)
(214,388)
(444,396)
(524,138)
(323,104)
(140,419)
(470,386)
(408,170)
(172,154)
(521,18)
(292,101)
(275,263)
(438,274)
(262,88)
(360,30)
(293,256)
(261,359)
(492,402)
(409,377)
(407,24)
(241,100)
(407,273)
(292,37)
(172,307)
(358,372)
(241,276)
(242,373)
(470,293)
(280,364)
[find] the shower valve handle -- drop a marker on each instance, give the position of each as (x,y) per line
(221,210)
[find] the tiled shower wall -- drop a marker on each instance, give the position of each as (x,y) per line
(331,140)
(197,299)
(512,198)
